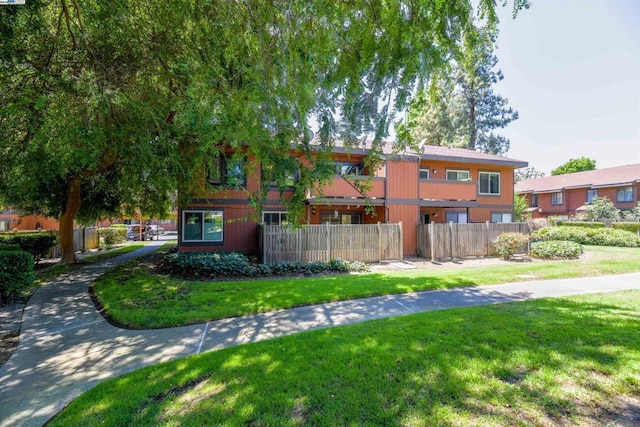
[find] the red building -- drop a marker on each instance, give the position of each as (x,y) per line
(440,184)
(564,195)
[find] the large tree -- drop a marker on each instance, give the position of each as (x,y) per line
(111,105)
(575,165)
(527,173)
(460,108)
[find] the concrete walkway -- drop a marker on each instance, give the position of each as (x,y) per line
(66,347)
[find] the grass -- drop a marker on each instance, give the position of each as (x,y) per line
(135,297)
(568,361)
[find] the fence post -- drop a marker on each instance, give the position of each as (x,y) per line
(379,242)
(451,239)
(488,244)
(263,232)
(432,230)
(401,242)
(328,241)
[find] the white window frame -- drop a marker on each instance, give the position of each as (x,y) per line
(458,172)
(505,217)
(422,171)
(624,191)
(458,215)
(282,219)
(557,195)
(593,192)
(203,212)
(489,193)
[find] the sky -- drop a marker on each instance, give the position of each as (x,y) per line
(572,71)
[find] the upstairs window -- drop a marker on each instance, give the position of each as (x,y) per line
(458,175)
(556,198)
(424,173)
(624,194)
(227,171)
(489,183)
(349,169)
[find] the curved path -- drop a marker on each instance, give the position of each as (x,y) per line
(66,347)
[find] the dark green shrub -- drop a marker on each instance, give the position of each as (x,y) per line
(112,235)
(633,227)
(589,236)
(16,274)
(9,247)
(508,243)
(556,249)
(37,244)
(587,224)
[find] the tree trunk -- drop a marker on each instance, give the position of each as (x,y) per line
(67,219)
(472,122)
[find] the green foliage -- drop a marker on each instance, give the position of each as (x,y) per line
(233,264)
(586,224)
(556,249)
(601,208)
(37,244)
(633,227)
(575,165)
(631,214)
(9,247)
(507,244)
(16,274)
(520,206)
(111,236)
(527,173)
(589,236)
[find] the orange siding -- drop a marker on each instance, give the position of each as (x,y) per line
(448,190)
(402,179)
(341,187)
(408,214)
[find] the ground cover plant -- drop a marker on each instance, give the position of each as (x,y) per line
(589,236)
(135,296)
(568,361)
(556,249)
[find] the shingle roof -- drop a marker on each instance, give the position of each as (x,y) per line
(608,177)
(431,152)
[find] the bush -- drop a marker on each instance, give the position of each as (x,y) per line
(633,227)
(587,224)
(233,264)
(589,236)
(112,235)
(508,243)
(37,244)
(16,274)
(554,249)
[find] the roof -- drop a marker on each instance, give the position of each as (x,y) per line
(608,177)
(432,152)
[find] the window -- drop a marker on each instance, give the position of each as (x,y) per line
(340,217)
(425,218)
(534,200)
(274,218)
(202,226)
(489,183)
(501,217)
(624,194)
(349,169)
(456,175)
(223,171)
(424,173)
(457,217)
(5,225)
(556,198)
(288,180)
(591,194)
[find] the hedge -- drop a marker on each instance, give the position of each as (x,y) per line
(554,249)
(113,235)
(37,244)
(16,274)
(633,227)
(587,224)
(589,236)
(233,264)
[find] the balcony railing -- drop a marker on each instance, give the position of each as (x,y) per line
(441,189)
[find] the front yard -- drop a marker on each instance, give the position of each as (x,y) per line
(135,296)
(568,361)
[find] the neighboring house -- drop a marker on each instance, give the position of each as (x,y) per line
(565,195)
(14,220)
(440,184)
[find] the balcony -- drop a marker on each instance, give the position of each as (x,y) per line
(444,190)
(341,187)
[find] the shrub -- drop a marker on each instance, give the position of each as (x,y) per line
(633,227)
(233,264)
(16,274)
(554,249)
(508,243)
(589,236)
(37,244)
(587,224)
(112,235)
(538,223)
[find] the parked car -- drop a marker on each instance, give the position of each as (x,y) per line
(157,230)
(133,233)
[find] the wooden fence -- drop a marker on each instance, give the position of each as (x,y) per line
(367,243)
(83,240)
(451,240)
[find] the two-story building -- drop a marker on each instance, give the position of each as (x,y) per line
(565,195)
(439,184)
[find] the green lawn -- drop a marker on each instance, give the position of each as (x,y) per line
(568,361)
(135,297)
